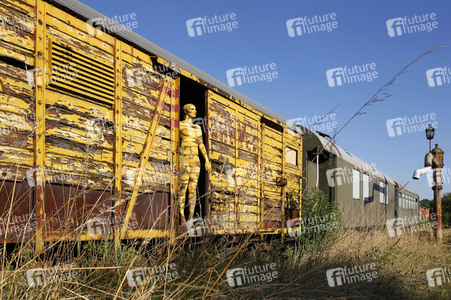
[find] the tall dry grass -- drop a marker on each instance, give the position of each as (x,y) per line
(201,266)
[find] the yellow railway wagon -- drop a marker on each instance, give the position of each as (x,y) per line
(89,144)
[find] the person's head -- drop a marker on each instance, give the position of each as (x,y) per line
(189,110)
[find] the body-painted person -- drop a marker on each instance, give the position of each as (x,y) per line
(191,141)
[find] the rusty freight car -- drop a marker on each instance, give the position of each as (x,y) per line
(90,143)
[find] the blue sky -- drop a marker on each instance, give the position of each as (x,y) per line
(301,88)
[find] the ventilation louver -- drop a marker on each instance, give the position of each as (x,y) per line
(80,73)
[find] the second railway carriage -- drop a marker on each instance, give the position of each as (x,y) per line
(366,196)
(92,113)
(407,205)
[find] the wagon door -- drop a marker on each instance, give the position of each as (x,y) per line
(293,174)
(143,89)
(248,173)
(273,180)
(233,135)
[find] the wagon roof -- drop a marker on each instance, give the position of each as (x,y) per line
(136,39)
(406,189)
(347,156)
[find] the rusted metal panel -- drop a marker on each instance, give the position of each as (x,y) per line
(16,215)
(70,208)
(15,150)
(151,211)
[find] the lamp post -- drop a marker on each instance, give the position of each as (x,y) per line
(437,165)
(433,161)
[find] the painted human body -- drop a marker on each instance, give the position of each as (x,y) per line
(191,143)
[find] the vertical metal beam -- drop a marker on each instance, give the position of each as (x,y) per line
(262,179)
(118,141)
(237,201)
(300,170)
(284,160)
(175,117)
(145,154)
(259,174)
(39,136)
(209,192)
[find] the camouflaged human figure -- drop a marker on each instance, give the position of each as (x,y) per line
(191,141)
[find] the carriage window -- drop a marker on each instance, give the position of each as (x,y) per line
(355,184)
(366,186)
(291,156)
(382,192)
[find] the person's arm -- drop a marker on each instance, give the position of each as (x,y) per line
(204,153)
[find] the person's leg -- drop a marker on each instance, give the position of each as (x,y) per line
(184,181)
(192,186)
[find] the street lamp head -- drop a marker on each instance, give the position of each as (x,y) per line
(430,131)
